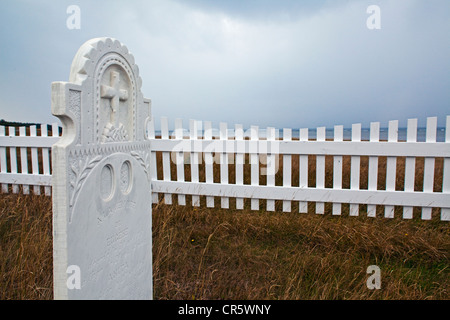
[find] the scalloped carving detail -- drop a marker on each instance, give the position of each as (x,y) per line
(93,62)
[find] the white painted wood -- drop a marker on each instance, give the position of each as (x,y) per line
(355,168)
(362,148)
(24,160)
(410,166)
(239,146)
(373,167)
(13,159)
(428,169)
(271,165)
(166,158)
(445,212)
(209,161)
(54,134)
(26,179)
(193,128)
(45,158)
(391,167)
(28,141)
(320,170)
(303,170)
(287,169)
(382,197)
(3,167)
(179,159)
(153,162)
(337,169)
(224,201)
(34,160)
(254,163)
(239,136)
(55,130)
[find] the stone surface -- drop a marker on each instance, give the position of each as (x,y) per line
(101,178)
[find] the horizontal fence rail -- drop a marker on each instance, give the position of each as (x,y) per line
(270,169)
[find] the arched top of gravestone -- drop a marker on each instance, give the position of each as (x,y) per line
(89,55)
(110,106)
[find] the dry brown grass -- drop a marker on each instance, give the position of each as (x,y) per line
(25,247)
(201,253)
(228,254)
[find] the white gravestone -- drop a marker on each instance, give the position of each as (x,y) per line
(101,178)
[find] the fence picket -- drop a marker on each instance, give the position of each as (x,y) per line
(337,169)
(287,169)
(13,159)
(55,133)
(209,171)
(3,160)
(224,201)
(320,170)
(254,161)
(24,160)
(166,158)
(270,165)
(428,169)
(355,168)
(45,158)
(240,150)
(303,171)
(391,166)
(153,164)
(410,166)
(372,183)
(193,128)
(445,212)
(34,160)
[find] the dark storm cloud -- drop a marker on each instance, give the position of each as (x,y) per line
(277,63)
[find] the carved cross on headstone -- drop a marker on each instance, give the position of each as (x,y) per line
(115,94)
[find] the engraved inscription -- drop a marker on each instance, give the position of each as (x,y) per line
(109,211)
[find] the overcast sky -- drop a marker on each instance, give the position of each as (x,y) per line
(285,63)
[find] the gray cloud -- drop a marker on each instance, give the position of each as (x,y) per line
(283,64)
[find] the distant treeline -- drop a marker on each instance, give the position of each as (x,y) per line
(26,125)
(17,124)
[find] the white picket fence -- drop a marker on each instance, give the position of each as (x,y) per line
(187,152)
(17,148)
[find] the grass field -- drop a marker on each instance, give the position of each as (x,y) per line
(201,253)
